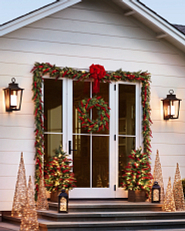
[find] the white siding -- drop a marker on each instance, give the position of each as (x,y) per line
(89,32)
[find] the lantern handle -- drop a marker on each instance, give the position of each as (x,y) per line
(13,80)
(171,91)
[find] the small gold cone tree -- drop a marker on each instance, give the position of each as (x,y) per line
(19,200)
(169,203)
(178,191)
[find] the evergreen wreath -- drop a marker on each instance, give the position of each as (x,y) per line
(41,69)
(103,114)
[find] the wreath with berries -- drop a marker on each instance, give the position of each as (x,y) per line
(103,114)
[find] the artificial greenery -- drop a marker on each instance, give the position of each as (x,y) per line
(137,174)
(103,114)
(98,74)
(58,174)
(183,185)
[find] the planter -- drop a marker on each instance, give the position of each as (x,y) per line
(136,196)
(54,195)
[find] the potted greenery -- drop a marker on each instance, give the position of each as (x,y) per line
(137,176)
(58,174)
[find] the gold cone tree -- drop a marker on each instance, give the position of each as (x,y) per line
(29,221)
(19,200)
(169,203)
(42,202)
(31,194)
(158,176)
(178,191)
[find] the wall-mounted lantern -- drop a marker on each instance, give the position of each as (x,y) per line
(63,202)
(156,189)
(171,106)
(13,96)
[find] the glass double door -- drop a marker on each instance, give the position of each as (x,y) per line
(98,157)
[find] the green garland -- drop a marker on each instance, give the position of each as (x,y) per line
(103,114)
(41,69)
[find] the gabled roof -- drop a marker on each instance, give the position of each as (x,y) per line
(35,15)
(131,8)
(180,28)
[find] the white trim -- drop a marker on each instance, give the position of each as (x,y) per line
(35,16)
(154,20)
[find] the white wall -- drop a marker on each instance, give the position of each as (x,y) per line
(89,32)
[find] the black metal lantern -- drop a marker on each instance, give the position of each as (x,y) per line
(171,106)
(63,202)
(156,190)
(13,96)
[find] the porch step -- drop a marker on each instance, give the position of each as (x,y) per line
(104,215)
(107,205)
(108,225)
(109,216)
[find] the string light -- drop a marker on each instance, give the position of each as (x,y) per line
(178,191)
(19,200)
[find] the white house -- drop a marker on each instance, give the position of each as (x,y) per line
(117,34)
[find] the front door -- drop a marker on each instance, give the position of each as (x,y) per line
(98,157)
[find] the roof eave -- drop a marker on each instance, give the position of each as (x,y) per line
(36,15)
(164,28)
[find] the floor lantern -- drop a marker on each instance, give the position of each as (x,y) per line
(156,189)
(63,202)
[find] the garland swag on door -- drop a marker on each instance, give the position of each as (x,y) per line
(98,74)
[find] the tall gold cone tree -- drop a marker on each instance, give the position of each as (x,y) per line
(42,202)
(31,193)
(19,200)
(178,191)
(158,176)
(29,221)
(169,203)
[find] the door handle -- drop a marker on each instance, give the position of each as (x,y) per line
(70,147)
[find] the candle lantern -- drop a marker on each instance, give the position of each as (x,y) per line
(63,202)
(13,96)
(171,106)
(156,190)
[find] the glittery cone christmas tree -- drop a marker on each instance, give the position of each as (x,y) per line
(31,194)
(169,203)
(29,219)
(178,191)
(19,200)
(158,176)
(42,202)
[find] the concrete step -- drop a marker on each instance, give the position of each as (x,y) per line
(109,216)
(8,227)
(109,225)
(103,206)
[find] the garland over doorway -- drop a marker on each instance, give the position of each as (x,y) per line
(98,74)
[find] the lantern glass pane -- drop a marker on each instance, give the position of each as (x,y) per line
(155,194)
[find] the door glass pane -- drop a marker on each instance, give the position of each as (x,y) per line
(52,142)
(81,160)
(104,93)
(53,105)
(100,161)
(126,145)
(81,90)
(126,109)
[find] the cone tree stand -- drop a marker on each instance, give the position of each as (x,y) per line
(20,201)
(158,176)
(178,191)
(31,194)
(42,202)
(29,221)
(169,203)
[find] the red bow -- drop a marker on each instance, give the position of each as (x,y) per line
(97,73)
